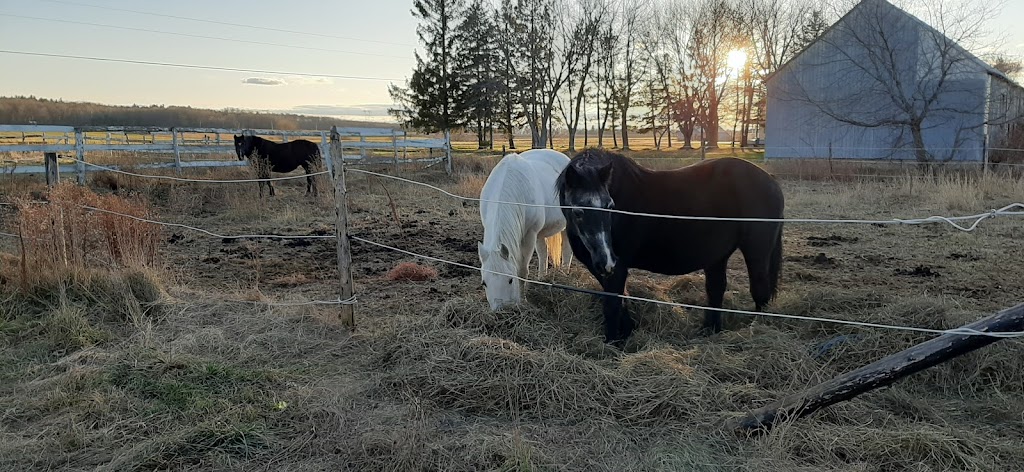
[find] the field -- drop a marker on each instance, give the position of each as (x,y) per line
(161,351)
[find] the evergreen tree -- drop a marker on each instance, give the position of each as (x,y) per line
(434,97)
(813,26)
(478,61)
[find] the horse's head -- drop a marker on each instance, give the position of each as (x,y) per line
(585,184)
(501,289)
(243,146)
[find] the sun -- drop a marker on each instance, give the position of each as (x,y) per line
(736,59)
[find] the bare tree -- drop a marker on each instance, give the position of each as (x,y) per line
(714,31)
(604,76)
(632,19)
(684,87)
(580,26)
(775,29)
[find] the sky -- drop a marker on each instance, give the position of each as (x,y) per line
(355,38)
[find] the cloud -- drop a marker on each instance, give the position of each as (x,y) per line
(263,81)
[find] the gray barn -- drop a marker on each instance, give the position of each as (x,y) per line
(882,84)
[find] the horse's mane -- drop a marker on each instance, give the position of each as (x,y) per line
(587,163)
(514,184)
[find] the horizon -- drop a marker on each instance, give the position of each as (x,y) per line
(372,40)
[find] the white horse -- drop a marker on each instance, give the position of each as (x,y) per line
(513,232)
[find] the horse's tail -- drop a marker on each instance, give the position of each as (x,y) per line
(775,265)
(554,245)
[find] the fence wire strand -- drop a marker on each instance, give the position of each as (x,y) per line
(955,331)
(1015,209)
(207,181)
(209,233)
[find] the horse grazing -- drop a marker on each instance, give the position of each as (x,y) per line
(610,243)
(282,158)
(513,232)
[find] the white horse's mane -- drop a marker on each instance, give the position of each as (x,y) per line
(504,224)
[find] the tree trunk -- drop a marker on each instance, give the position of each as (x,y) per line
(625,132)
(919,151)
(710,125)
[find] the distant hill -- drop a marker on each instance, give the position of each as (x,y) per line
(25,110)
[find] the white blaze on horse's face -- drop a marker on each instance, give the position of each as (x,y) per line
(594,227)
(502,290)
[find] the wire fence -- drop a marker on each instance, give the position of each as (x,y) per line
(208,181)
(955,331)
(1015,209)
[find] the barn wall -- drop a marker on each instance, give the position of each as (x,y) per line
(836,98)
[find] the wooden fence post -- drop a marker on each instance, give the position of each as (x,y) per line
(325,154)
(347,314)
(362,149)
(448,152)
(177,154)
(80,155)
(394,145)
(52,169)
(881,372)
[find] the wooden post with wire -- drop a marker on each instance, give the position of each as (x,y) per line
(448,152)
(52,169)
(347,313)
(174,147)
(80,156)
(880,373)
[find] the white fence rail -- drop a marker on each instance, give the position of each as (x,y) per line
(177,141)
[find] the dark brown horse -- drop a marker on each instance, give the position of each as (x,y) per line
(610,244)
(267,156)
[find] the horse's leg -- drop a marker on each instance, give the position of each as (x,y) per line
(617,323)
(758,258)
(714,284)
(542,256)
(309,179)
(525,254)
(271,185)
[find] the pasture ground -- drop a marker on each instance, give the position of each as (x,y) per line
(172,365)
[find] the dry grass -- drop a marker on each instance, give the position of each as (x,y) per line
(64,235)
(143,370)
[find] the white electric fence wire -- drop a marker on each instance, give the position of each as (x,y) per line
(208,181)
(209,233)
(951,220)
(957,331)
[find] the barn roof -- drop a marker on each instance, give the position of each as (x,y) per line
(862,4)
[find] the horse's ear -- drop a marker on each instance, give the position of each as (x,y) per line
(605,174)
(504,252)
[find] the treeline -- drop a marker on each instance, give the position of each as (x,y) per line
(652,66)
(27,110)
